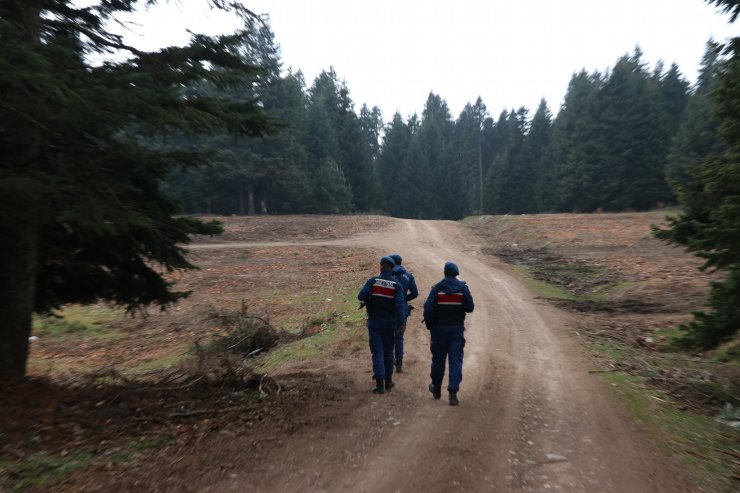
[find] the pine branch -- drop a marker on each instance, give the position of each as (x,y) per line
(98,38)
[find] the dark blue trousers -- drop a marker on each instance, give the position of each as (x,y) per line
(381,348)
(447,343)
(399,341)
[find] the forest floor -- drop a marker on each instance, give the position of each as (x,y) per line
(260,379)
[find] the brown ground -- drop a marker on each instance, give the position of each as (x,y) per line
(531,416)
(628,288)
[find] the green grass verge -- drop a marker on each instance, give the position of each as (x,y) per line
(72,320)
(703,445)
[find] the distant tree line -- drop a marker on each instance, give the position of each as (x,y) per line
(620,140)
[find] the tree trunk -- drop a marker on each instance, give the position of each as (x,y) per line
(250,198)
(18,268)
(19,212)
(240,205)
(480,173)
(263,206)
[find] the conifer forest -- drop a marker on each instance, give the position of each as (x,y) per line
(619,141)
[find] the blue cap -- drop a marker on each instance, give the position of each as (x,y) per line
(451,268)
(387,260)
(396,258)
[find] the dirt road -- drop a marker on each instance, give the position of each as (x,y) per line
(531,416)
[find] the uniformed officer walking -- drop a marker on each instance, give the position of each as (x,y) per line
(383,298)
(444,315)
(410,292)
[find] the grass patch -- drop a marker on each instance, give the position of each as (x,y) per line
(610,349)
(151,443)
(603,293)
(728,352)
(339,325)
(702,444)
(166,361)
(534,278)
(41,470)
(45,469)
(668,338)
(91,320)
(542,288)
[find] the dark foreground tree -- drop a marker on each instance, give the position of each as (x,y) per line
(81,211)
(709,224)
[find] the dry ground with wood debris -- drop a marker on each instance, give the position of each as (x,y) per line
(151,404)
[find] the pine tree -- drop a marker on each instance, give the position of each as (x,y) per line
(508,183)
(577,136)
(83,214)
(350,147)
(391,166)
(697,136)
(371,121)
(437,177)
(468,145)
(537,154)
(709,224)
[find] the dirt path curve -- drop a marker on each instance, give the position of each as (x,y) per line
(531,416)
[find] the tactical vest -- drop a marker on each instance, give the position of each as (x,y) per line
(382,300)
(449,308)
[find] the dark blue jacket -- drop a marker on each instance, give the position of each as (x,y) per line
(408,283)
(384,300)
(448,302)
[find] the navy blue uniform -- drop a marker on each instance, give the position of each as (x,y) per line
(444,315)
(383,297)
(410,292)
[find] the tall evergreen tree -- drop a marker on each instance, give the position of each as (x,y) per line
(391,166)
(469,146)
(709,224)
(697,135)
(508,183)
(537,155)
(371,121)
(577,135)
(438,181)
(83,214)
(352,152)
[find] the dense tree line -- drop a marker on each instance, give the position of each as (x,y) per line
(619,141)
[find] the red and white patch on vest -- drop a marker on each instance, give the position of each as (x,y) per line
(384,288)
(449,298)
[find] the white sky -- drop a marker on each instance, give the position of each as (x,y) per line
(509,52)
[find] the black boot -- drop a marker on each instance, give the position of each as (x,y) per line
(436,391)
(389,383)
(399,366)
(379,388)
(453,398)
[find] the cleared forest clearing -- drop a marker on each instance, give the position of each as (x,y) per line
(154,402)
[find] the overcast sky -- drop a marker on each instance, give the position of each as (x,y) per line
(392,53)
